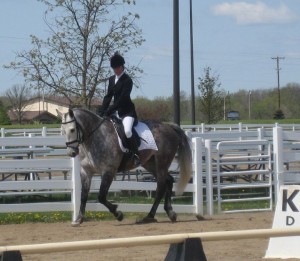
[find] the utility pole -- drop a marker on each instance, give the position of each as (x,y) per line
(192,65)
(176,78)
(249,104)
(278,82)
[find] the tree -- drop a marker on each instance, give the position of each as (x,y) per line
(4,119)
(157,109)
(211,97)
(74,60)
(18,96)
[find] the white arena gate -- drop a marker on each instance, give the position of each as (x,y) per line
(219,160)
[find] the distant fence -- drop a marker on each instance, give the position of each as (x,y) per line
(239,127)
(44,131)
(223,162)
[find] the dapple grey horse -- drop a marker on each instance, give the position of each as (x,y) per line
(95,140)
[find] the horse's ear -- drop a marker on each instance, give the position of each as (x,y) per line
(71,113)
(59,114)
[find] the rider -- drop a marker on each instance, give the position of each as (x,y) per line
(119,88)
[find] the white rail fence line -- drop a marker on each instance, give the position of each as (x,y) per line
(202,128)
(207,172)
(73,184)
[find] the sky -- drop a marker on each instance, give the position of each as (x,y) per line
(236,39)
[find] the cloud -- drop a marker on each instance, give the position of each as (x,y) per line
(258,13)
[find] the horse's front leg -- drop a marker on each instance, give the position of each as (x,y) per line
(107,179)
(85,188)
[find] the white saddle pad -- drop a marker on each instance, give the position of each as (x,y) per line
(147,139)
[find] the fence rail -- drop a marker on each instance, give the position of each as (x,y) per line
(217,161)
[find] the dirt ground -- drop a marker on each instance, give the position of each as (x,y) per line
(35,233)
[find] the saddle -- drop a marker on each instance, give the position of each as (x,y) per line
(117,123)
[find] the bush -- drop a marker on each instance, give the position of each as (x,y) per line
(278,115)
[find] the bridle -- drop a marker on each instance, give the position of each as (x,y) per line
(80,136)
(79,139)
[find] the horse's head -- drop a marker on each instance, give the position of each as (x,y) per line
(71,129)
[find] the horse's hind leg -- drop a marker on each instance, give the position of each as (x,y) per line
(107,179)
(160,191)
(168,206)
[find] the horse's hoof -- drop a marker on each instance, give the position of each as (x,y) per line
(75,223)
(173,216)
(200,217)
(146,220)
(119,215)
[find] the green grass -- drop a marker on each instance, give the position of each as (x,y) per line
(122,197)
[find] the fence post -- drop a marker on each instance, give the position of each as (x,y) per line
(2,136)
(240,126)
(202,127)
(209,178)
(197,179)
(44,131)
(278,160)
(76,186)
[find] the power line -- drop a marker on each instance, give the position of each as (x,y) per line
(278,82)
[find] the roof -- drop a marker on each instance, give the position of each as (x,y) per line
(30,115)
(60,100)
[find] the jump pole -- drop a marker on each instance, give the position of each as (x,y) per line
(150,240)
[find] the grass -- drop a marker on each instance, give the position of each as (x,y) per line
(122,197)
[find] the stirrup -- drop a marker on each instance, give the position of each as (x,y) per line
(136,159)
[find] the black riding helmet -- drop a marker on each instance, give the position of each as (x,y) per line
(116,60)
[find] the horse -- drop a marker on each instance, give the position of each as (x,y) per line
(95,140)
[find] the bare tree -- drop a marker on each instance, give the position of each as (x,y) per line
(74,60)
(18,96)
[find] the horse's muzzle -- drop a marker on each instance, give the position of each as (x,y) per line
(72,152)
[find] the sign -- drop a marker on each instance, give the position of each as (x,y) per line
(287,215)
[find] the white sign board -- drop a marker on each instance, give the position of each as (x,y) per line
(287,215)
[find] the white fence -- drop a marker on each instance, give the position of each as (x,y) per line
(222,162)
(202,128)
(34,146)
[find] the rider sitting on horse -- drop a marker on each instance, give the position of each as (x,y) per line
(119,88)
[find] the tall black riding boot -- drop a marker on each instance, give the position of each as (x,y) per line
(133,147)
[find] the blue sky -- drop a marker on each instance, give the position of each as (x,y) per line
(235,38)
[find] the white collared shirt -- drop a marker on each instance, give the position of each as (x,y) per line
(119,76)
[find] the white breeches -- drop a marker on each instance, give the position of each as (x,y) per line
(128,123)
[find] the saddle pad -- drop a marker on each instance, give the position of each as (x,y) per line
(147,139)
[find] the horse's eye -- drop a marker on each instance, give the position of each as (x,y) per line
(72,130)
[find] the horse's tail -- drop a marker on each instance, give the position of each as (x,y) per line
(184,160)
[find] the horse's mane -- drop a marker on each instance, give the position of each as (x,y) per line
(86,119)
(88,113)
